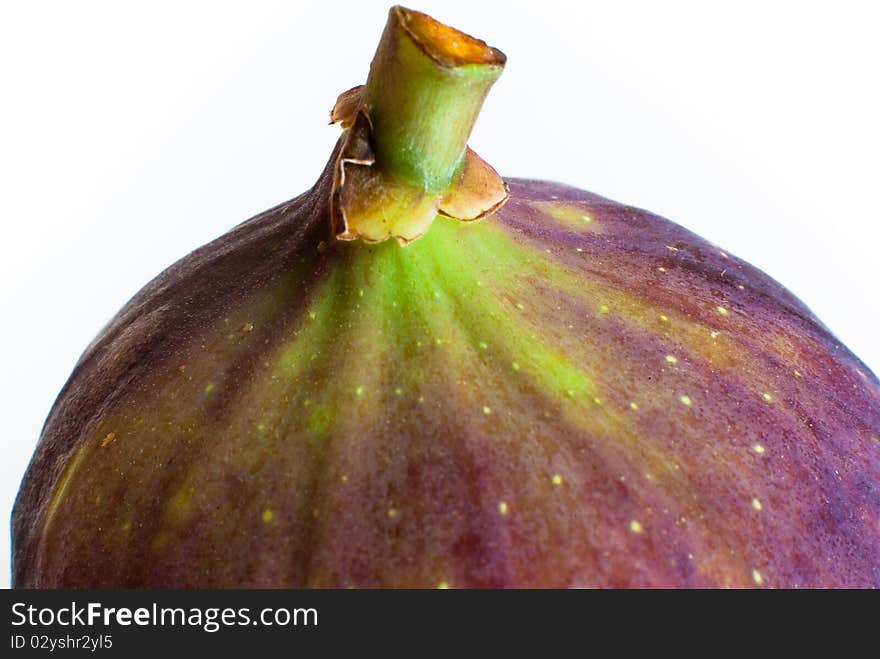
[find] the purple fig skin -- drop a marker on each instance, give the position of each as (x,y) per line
(569,393)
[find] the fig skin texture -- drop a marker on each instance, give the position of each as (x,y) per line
(572,392)
(569,392)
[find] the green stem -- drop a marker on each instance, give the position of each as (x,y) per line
(426,86)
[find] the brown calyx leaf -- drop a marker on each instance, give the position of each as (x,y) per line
(355,150)
(479,191)
(347,104)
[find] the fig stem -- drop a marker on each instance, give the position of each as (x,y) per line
(426,86)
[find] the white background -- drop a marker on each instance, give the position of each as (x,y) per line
(132,133)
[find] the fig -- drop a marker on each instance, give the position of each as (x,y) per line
(419,374)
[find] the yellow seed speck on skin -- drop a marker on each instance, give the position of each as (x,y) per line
(756,504)
(182,368)
(759,449)
(722,310)
(520,306)
(586,218)
(767,397)
(109,439)
(671,248)
(359,391)
(502,507)
(661,269)
(569,393)
(261,427)
(515,366)
(664,318)
(741,287)
(442,586)
(343,478)
(714,335)
(398,391)
(483,345)
(126,526)
(268,515)
(597,400)
(671,359)
(209,388)
(247,327)
(557,479)
(635,526)
(685,400)
(312,315)
(603,308)
(487,410)
(580,250)
(798,374)
(392,513)
(757,577)
(723,254)
(633,406)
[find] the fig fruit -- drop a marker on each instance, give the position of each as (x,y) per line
(571,392)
